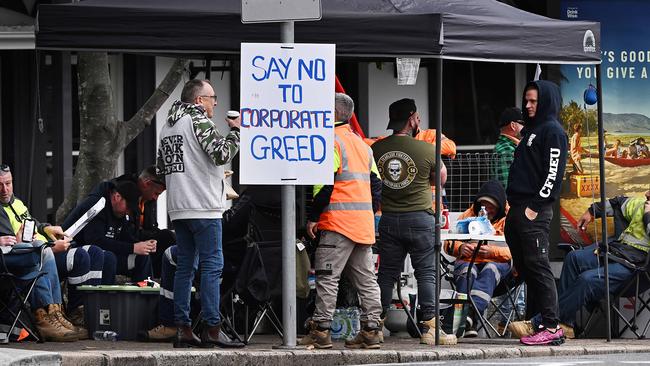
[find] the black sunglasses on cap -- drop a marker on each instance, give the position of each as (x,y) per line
(5,168)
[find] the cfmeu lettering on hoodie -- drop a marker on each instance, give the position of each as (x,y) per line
(540,158)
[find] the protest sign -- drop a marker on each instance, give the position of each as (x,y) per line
(287,113)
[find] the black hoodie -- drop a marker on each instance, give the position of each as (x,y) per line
(540,158)
(494,190)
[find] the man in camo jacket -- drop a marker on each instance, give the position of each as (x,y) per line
(191,156)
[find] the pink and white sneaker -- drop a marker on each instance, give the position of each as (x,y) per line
(544,337)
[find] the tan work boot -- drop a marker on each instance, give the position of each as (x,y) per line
(521,329)
(56,311)
(429,334)
(568,331)
(317,337)
(159,333)
(368,337)
(76,316)
(50,328)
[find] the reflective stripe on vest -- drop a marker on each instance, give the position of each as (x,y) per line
(349,212)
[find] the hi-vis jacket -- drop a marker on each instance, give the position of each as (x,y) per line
(350,208)
(12,216)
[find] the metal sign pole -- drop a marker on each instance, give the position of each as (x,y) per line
(288,241)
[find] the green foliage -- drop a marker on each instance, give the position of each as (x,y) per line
(573,113)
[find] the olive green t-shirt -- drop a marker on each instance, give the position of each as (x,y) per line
(405,165)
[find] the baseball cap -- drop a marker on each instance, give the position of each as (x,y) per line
(131,194)
(155,177)
(399,112)
(511,114)
(489,199)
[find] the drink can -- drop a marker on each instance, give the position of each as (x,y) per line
(445,219)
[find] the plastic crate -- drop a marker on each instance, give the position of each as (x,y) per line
(122,309)
(585,185)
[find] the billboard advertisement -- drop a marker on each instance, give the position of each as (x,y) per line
(626,111)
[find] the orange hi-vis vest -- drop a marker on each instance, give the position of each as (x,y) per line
(349,212)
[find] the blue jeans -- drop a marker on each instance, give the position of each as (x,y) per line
(26,266)
(485,278)
(198,241)
(401,233)
(582,282)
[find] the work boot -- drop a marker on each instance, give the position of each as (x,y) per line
(185,338)
(381,329)
(318,337)
(543,337)
(368,337)
(159,333)
(50,328)
(428,329)
(568,331)
(56,311)
(521,329)
(213,336)
(470,330)
(76,316)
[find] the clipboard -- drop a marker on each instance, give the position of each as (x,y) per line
(85,218)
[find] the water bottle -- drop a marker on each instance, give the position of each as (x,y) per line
(105,335)
(482,212)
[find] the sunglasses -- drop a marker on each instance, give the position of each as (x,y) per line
(5,168)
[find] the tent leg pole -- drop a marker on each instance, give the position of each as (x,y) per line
(288,242)
(438,198)
(601,162)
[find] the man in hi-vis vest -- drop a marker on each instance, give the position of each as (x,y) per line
(344,214)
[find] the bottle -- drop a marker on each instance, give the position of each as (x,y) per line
(105,335)
(482,212)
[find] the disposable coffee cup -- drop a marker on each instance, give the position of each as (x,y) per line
(232,114)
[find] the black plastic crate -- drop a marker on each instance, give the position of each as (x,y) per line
(122,309)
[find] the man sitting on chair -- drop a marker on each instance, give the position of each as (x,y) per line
(492,262)
(582,282)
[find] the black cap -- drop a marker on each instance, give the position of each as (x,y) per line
(399,112)
(509,115)
(155,177)
(131,194)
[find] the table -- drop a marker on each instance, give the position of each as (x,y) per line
(480,240)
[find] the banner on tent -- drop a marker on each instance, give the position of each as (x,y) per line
(287,111)
(626,112)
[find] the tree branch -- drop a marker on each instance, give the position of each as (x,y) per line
(142,118)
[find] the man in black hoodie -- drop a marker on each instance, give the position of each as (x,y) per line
(533,186)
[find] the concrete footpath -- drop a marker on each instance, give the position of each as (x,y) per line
(261,351)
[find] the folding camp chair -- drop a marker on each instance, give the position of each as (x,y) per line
(509,288)
(639,283)
(17,284)
(259,283)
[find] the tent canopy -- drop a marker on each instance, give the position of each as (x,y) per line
(484,30)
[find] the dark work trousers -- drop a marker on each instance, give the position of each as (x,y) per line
(401,233)
(528,242)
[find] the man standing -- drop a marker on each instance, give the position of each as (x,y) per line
(344,213)
(582,282)
(191,155)
(575,146)
(510,124)
(533,186)
(407,167)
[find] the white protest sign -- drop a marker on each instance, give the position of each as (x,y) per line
(287,113)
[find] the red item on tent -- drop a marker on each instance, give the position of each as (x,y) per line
(338,88)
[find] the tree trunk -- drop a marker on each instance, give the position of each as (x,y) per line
(102,136)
